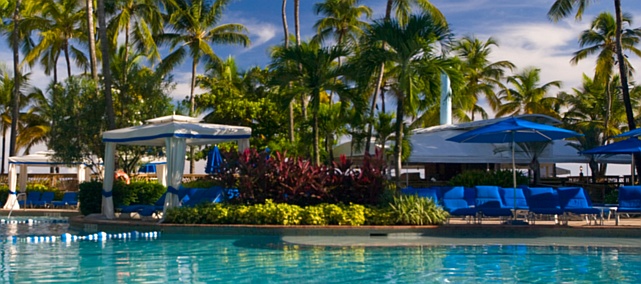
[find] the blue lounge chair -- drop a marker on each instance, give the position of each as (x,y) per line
(575,200)
(69,199)
(148,209)
(489,202)
(454,202)
(33,196)
(198,196)
(629,200)
(45,199)
(508,195)
(543,201)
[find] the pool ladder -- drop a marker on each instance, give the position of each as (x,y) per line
(24,197)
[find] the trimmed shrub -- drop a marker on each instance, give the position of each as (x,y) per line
(138,192)
(90,197)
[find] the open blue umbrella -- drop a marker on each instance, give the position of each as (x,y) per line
(631,133)
(628,146)
(513,130)
(214,161)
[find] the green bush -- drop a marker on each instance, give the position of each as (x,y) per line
(4,193)
(414,210)
(90,197)
(501,178)
(276,214)
(138,192)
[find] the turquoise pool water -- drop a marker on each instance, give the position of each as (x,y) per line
(252,259)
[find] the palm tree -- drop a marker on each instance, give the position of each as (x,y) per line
(481,77)
(601,39)
(528,96)
(319,70)
(402,9)
(91,35)
(194,26)
(342,20)
(409,47)
(147,20)
(562,8)
(106,71)
(59,23)
(286,39)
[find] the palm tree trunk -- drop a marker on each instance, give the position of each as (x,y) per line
(624,78)
(316,140)
(291,104)
(398,139)
(55,70)
(15,111)
(379,82)
(192,109)
(4,146)
(106,73)
(92,41)
(66,51)
(297,30)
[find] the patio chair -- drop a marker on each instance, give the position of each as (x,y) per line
(454,202)
(45,199)
(508,197)
(629,200)
(543,201)
(69,199)
(33,196)
(576,201)
(148,209)
(489,202)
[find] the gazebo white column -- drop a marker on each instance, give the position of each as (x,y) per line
(108,181)
(22,178)
(12,203)
(176,150)
(161,174)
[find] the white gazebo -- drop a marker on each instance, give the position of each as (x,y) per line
(175,132)
(38,159)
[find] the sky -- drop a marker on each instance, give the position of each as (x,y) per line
(525,36)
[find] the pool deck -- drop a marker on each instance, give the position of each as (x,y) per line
(629,228)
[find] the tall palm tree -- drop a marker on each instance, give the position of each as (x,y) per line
(408,47)
(193,26)
(481,77)
(141,19)
(59,23)
(106,71)
(562,8)
(527,96)
(341,20)
(91,35)
(319,70)
(286,44)
(402,9)
(601,39)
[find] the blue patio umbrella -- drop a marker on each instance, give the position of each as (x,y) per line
(513,130)
(214,161)
(628,146)
(631,133)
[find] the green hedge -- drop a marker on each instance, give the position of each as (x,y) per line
(402,211)
(501,178)
(138,192)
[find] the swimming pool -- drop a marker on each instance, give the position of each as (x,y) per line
(176,258)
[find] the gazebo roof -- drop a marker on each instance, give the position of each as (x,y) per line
(156,130)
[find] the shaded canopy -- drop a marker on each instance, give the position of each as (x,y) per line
(175,132)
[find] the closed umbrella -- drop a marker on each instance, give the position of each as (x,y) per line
(214,161)
(513,130)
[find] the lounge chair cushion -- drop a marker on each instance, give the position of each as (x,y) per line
(629,199)
(543,200)
(489,202)
(454,202)
(575,200)
(508,195)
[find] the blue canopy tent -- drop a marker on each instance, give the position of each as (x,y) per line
(512,130)
(628,146)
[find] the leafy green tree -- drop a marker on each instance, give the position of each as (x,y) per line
(481,77)
(319,71)
(195,26)
(409,47)
(77,120)
(527,96)
(59,22)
